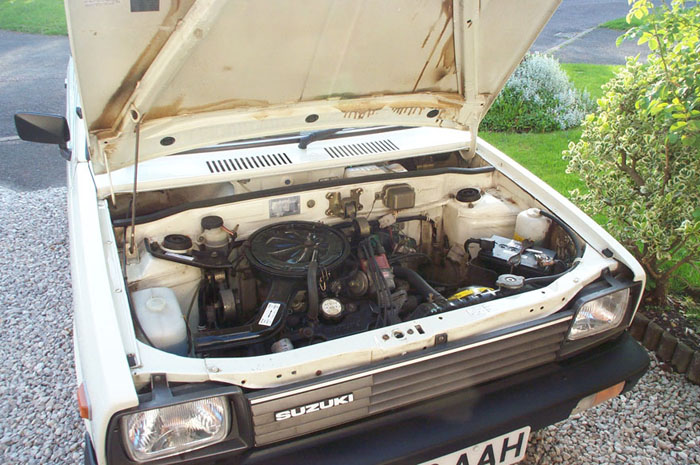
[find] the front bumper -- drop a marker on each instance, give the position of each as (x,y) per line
(537,398)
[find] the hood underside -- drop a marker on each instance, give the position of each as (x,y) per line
(178,75)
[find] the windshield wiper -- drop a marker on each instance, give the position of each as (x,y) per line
(305,140)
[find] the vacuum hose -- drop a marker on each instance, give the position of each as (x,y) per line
(417,282)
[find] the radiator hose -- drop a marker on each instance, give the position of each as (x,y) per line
(418,283)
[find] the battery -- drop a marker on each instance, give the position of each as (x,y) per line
(534,261)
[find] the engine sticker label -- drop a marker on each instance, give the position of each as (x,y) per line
(285,206)
(269,314)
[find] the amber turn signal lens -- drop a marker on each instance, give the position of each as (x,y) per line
(598,398)
(83,402)
(609,393)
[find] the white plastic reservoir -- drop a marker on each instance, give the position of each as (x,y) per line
(532,226)
(161,319)
(478,214)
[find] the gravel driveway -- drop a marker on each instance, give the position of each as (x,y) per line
(657,423)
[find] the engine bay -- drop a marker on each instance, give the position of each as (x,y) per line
(291,284)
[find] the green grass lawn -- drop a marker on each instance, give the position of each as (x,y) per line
(590,78)
(621,24)
(541,153)
(33,16)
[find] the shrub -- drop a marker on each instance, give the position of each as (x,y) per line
(642,181)
(672,33)
(639,156)
(538,97)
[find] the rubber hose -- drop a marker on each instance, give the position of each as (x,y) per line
(404,219)
(417,281)
(312,291)
(547,279)
(408,256)
(252,332)
(567,229)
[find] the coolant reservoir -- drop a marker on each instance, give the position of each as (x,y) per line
(161,319)
(532,226)
(475,214)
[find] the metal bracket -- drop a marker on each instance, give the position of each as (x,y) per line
(159,387)
(132,256)
(346,207)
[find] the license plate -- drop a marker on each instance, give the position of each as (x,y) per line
(503,450)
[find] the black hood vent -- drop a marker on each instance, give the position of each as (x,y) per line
(362,148)
(248,163)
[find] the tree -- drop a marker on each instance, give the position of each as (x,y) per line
(638,155)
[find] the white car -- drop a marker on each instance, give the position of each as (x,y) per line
(289,245)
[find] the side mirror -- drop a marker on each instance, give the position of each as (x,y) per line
(46,129)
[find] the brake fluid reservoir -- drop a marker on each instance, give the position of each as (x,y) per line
(161,319)
(213,234)
(532,226)
(475,214)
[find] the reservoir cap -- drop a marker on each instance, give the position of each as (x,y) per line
(212,222)
(468,194)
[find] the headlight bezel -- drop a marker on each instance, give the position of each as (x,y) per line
(238,438)
(606,286)
(219,406)
(587,309)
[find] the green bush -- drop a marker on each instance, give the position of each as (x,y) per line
(641,167)
(672,33)
(538,97)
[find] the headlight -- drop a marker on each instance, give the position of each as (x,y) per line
(600,314)
(167,431)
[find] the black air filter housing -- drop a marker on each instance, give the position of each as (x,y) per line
(286,249)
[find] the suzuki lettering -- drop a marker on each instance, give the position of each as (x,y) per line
(314,407)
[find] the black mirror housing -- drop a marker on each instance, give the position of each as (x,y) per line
(43,128)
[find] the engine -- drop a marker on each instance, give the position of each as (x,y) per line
(295,283)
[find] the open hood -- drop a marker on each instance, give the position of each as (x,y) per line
(177,75)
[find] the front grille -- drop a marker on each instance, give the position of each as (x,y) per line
(405,382)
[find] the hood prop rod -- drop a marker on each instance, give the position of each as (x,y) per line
(132,238)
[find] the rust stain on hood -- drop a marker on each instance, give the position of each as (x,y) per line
(360,109)
(106,120)
(175,108)
(447,57)
(447,12)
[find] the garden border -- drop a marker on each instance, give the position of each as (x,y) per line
(667,347)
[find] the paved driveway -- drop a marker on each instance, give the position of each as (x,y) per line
(33,70)
(31,79)
(576,16)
